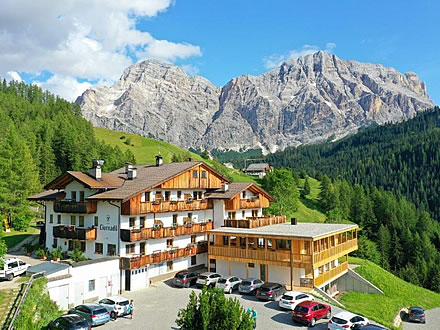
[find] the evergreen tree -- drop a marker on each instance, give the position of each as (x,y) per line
(306,187)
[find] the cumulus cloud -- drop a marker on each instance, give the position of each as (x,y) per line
(64,86)
(75,40)
(190,69)
(275,60)
(14,75)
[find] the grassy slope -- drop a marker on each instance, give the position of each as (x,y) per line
(398,294)
(308,210)
(145,149)
(14,237)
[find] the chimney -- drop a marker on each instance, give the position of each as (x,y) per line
(132,172)
(159,160)
(293,221)
(95,171)
(225,187)
(128,167)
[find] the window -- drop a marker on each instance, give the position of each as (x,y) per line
(91,285)
(203,174)
(145,197)
(190,216)
(169,265)
(231,215)
(193,260)
(51,218)
(260,242)
(193,239)
(142,248)
(179,194)
(195,194)
(251,265)
(194,174)
(243,242)
(129,248)
(82,246)
(170,243)
(95,221)
(254,213)
(233,241)
(99,248)
(174,219)
(73,220)
(55,243)
(225,240)
(243,214)
(111,249)
(283,244)
(142,222)
(167,195)
(132,221)
(59,219)
(70,248)
(81,221)
(269,243)
(243,195)
(73,195)
(81,196)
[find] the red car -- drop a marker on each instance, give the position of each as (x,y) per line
(308,312)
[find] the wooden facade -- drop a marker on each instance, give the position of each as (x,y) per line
(134,206)
(72,232)
(238,203)
(255,222)
(187,180)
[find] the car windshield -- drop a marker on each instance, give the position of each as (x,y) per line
(301,309)
(203,277)
(124,303)
(338,320)
(264,289)
(246,283)
(417,311)
(222,281)
(99,311)
(287,297)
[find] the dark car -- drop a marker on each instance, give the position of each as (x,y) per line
(308,312)
(270,291)
(417,314)
(69,321)
(185,278)
(94,314)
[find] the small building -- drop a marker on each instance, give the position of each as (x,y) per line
(229,165)
(258,169)
(303,255)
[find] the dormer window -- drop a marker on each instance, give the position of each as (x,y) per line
(203,174)
(243,195)
(73,195)
(195,174)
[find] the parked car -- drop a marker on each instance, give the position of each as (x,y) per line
(250,285)
(115,305)
(185,278)
(290,299)
(68,322)
(270,291)
(228,284)
(208,278)
(345,320)
(416,314)
(13,267)
(308,312)
(94,314)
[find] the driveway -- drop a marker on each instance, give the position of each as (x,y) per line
(156,308)
(15,282)
(432,321)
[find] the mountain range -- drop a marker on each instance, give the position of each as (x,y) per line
(306,100)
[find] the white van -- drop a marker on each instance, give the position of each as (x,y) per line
(13,267)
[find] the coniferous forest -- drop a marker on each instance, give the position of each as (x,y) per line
(42,136)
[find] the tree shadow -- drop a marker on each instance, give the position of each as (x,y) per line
(250,298)
(311,204)
(285,318)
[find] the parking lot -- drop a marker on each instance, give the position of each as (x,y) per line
(156,309)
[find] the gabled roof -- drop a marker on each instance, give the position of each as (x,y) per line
(148,177)
(48,195)
(236,188)
(257,167)
(108,180)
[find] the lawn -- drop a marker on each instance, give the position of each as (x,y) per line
(398,294)
(14,237)
(308,210)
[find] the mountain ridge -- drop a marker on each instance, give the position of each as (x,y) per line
(303,101)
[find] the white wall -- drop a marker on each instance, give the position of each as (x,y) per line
(254,272)
(279,274)
(238,269)
(219,213)
(222,267)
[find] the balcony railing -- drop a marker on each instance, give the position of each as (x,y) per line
(141,261)
(249,203)
(70,206)
(254,222)
(266,255)
(331,274)
(335,251)
(175,206)
(72,232)
(133,235)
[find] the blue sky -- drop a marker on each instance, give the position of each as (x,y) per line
(223,39)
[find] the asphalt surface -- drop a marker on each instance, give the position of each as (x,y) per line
(4,284)
(156,308)
(432,321)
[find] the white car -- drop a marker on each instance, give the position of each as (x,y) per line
(208,278)
(116,305)
(13,267)
(345,320)
(228,284)
(290,299)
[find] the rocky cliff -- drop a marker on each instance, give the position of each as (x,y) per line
(313,98)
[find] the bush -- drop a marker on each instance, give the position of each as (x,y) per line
(77,255)
(28,247)
(122,137)
(56,253)
(128,141)
(41,252)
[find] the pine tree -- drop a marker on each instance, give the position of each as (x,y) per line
(306,187)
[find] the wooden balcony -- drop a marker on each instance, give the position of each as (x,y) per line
(258,255)
(135,207)
(323,257)
(254,222)
(331,274)
(250,203)
(162,256)
(133,235)
(72,232)
(70,206)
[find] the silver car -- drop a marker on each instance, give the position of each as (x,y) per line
(228,284)
(250,285)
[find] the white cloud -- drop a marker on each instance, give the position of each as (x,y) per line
(14,75)
(190,69)
(81,39)
(64,86)
(273,61)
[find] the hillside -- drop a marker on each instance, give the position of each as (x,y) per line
(145,149)
(397,294)
(403,158)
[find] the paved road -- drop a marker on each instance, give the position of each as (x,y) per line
(14,284)
(432,321)
(156,309)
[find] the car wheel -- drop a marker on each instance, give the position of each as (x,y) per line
(113,315)
(10,277)
(313,322)
(329,315)
(230,290)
